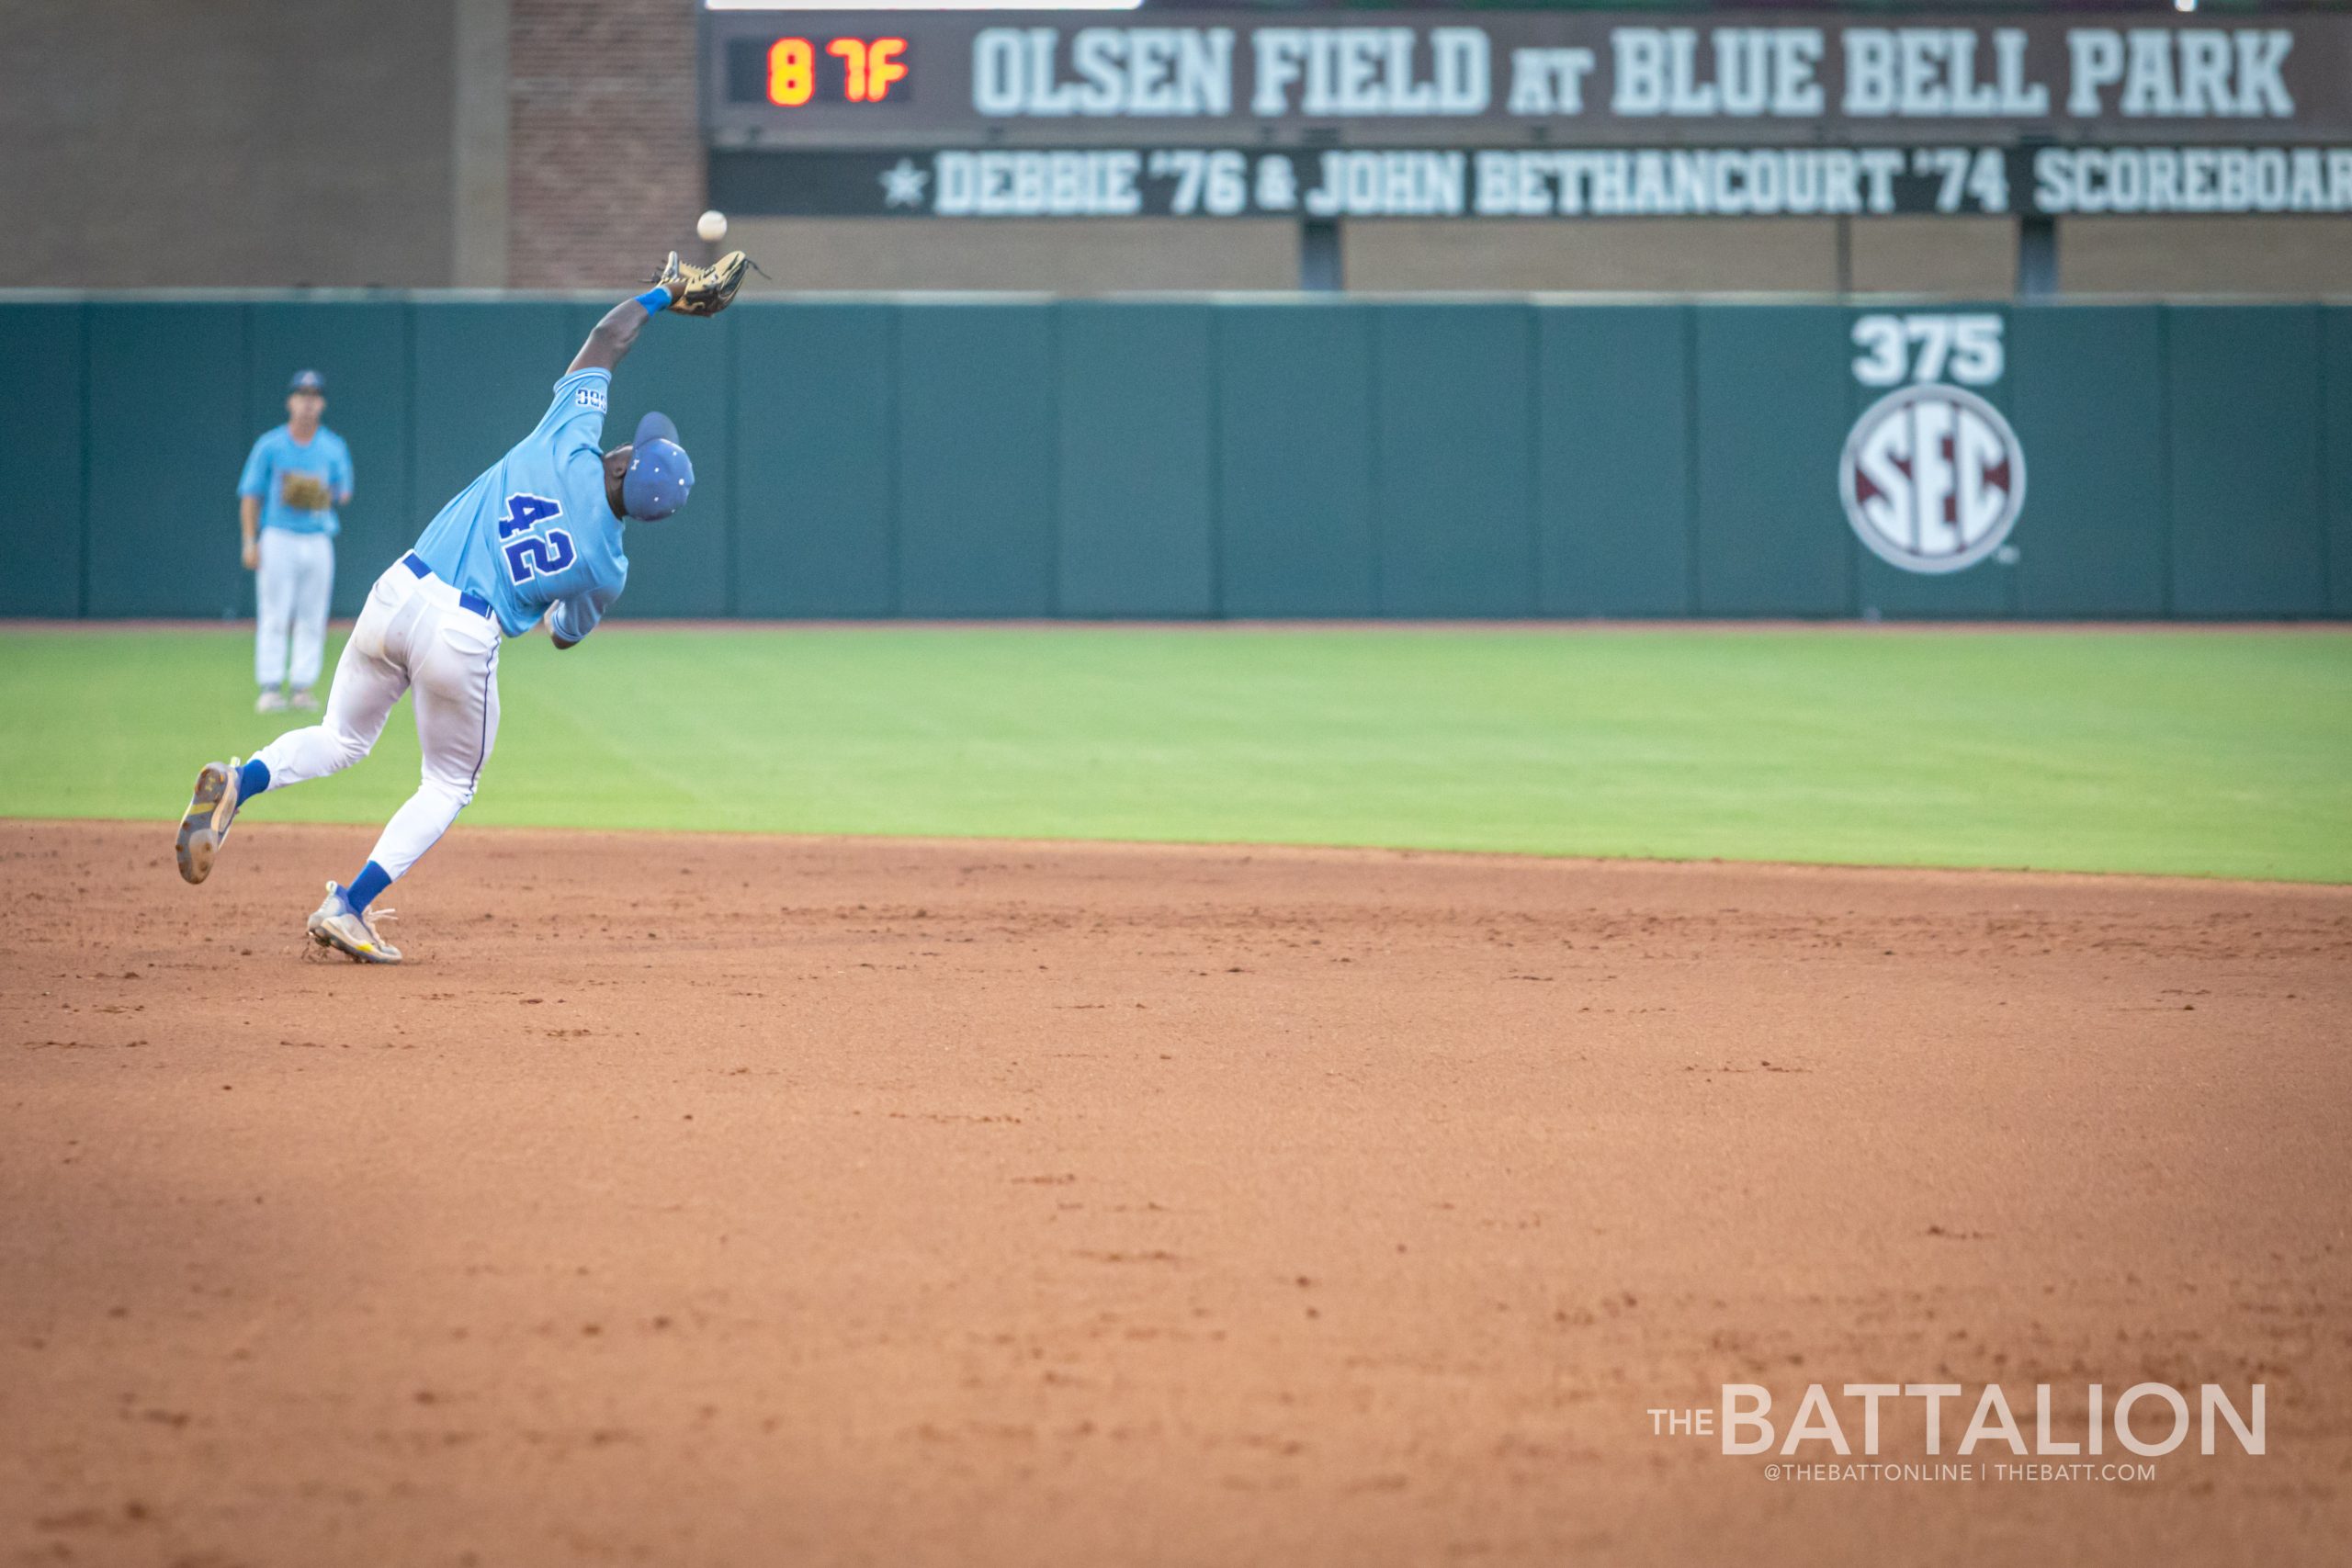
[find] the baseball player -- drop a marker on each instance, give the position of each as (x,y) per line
(540,535)
(295,478)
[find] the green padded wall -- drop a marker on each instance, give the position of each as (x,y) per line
(1454,463)
(1295,458)
(2086,396)
(2335,369)
(1613,460)
(1246,458)
(1773,399)
(167,440)
(1137,461)
(41,462)
(2246,534)
(815,406)
(975,459)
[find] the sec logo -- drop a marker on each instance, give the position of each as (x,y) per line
(1932,478)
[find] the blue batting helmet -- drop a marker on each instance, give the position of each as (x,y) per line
(659,474)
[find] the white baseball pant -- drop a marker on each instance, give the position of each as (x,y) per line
(293,584)
(412,634)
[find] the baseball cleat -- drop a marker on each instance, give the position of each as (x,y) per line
(337,925)
(270,701)
(301,698)
(204,826)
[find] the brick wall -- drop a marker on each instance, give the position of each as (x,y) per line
(606,159)
(160,143)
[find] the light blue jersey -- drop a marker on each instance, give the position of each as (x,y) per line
(276,456)
(535,535)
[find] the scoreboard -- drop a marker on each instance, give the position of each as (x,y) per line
(801,79)
(1520,113)
(793,70)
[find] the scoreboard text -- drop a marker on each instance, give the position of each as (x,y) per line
(792,70)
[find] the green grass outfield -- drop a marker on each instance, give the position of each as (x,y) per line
(2194,751)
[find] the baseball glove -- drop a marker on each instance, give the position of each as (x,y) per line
(305,492)
(703,290)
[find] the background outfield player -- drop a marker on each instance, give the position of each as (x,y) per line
(538,534)
(294,479)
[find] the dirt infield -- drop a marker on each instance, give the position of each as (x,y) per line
(721,1200)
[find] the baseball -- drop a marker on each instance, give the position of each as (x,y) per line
(711,226)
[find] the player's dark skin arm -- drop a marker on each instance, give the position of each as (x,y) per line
(613,336)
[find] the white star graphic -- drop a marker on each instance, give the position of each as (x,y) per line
(902,184)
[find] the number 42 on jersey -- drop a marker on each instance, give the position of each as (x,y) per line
(534,555)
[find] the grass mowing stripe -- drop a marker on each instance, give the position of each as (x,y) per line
(2187,751)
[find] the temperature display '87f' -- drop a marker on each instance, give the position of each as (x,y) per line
(791,72)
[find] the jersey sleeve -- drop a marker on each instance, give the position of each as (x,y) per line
(576,417)
(255,481)
(341,477)
(574,617)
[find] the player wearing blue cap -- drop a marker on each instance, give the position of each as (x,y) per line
(294,479)
(537,535)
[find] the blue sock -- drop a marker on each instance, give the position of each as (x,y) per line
(372,879)
(252,779)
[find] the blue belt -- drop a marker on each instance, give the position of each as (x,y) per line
(474,601)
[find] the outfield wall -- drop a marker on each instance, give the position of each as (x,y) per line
(1193,458)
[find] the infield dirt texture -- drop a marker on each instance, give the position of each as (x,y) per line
(721,1199)
(715,1199)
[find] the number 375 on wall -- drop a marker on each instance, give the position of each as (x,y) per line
(1928,347)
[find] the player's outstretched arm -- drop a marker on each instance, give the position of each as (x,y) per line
(613,336)
(695,290)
